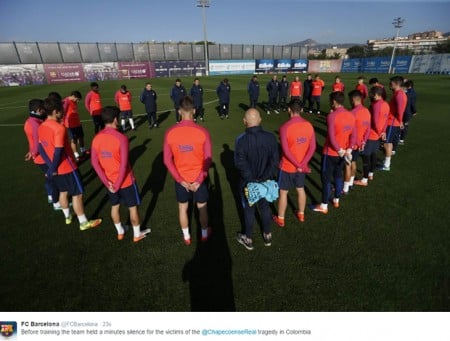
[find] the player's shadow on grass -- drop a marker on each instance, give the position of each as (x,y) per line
(138,151)
(100,189)
(232,174)
(209,271)
(140,120)
(162,117)
(320,131)
(244,106)
(155,184)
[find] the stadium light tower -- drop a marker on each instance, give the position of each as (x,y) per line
(398,23)
(203,4)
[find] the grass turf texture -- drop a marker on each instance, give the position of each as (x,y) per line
(385,249)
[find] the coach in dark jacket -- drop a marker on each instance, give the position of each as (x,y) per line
(223,92)
(256,158)
(148,97)
(272,90)
(253,91)
(197,95)
(307,89)
(176,94)
(283,93)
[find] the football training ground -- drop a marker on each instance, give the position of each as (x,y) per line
(385,249)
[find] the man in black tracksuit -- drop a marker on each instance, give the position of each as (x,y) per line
(223,92)
(176,94)
(307,90)
(283,93)
(256,158)
(272,90)
(148,97)
(197,95)
(253,91)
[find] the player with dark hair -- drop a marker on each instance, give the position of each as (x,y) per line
(197,95)
(223,92)
(283,91)
(296,89)
(253,91)
(123,99)
(109,157)
(55,150)
(374,82)
(362,88)
(317,87)
(176,94)
(336,150)
(307,90)
(256,158)
(397,107)
(338,85)
(55,96)
(73,124)
(187,156)
(273,88)
(410,110)
(298,144)
(379,111)
(93,104)
(148,98)
(36,117)
(362,126)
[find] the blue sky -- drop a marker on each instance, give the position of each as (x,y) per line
(229,21)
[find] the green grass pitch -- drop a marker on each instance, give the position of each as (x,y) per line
(385,249)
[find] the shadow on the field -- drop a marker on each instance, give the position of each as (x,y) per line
(162,117)
(87,176)
(320,131)
(244,107)
(139,120)
(138,151)
(155,184)
(98,191)
(232,174)
(311,182)
(209,271)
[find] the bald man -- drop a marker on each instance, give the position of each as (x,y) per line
(256,158)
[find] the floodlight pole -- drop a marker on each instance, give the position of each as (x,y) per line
(203,4)
(398,23)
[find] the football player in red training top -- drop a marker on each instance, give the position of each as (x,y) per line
(397,107)
(338,85)
(73,123)
(109,157)
(298,144)
(31,127)
(93,104)
(55,150)
(379,112)
(374,82)
(296,89)
(362,125)
(187,156)
(362,88)
(123,100)
(316,91)
(337,150)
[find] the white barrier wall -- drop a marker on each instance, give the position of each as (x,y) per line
(431,64)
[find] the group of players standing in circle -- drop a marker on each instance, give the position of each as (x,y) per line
(187,147)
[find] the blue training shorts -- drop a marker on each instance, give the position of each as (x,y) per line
(287,180)
(200,196)
(70,182)
(129,196)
